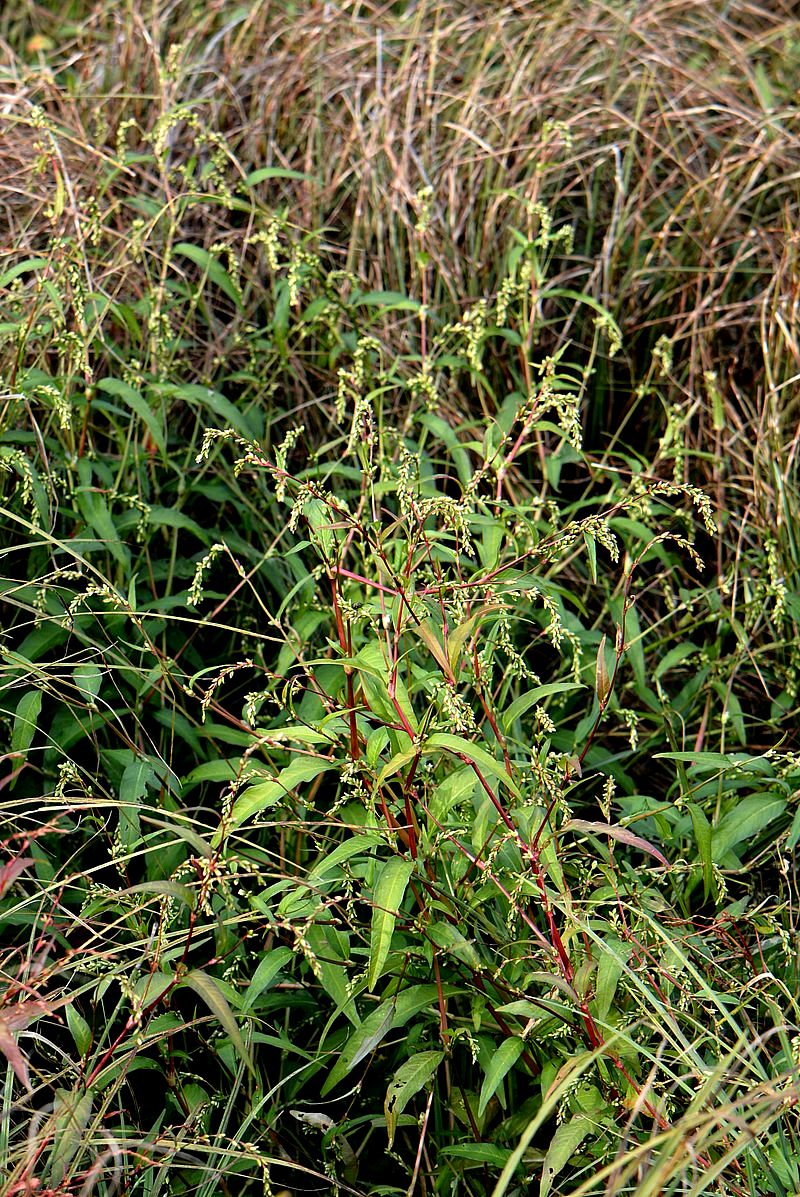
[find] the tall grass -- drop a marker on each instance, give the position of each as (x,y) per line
(400,598)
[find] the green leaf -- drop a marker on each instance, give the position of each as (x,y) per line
(332,972)
(95,511)
(591,552)
(473,753)
(210,992)
(388,1016)
(8,276)
(391,301)
(363,842)
(390,888)
(71,1113)
(446,936)
(377,741)
(266,794)
(321,521)
(610,967)
(410,1077)
(139,406)
(575,1066)
(219,770)
(583,297)
(374,672)
(427,632)
(165,888)
(268,968)
(731,709)
(168,517)
(671,660)
(704,762)
(458,638)
(79,1029)
(26,719)
(133,788)
(273,172)
(201,846)
(501,1062)
(525,701)
(151,987)
(212,267)
(207,399)
(478,1153)
(794,832)
(397,762)
(456,787)
(763,88)
(704,836)
(745,821)
(563,1145)
(372,1031)
(88,678)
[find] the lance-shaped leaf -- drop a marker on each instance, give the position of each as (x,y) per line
(71,1112)
(410,1077)
(563,1145)
(24,728)
(617,833)
(265,794)
(268,968)
(388,1016)
(502,1062)
(602,682)
(389,890)
(209,991)
(475,754)
(25,720)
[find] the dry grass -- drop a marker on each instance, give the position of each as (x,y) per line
(675,148)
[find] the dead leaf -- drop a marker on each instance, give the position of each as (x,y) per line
(16,1018)
(617,833)
(11,870)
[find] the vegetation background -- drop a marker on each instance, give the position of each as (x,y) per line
(400,599)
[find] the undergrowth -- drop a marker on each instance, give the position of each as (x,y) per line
(400,600)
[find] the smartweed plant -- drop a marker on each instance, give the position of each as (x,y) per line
(399,794)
